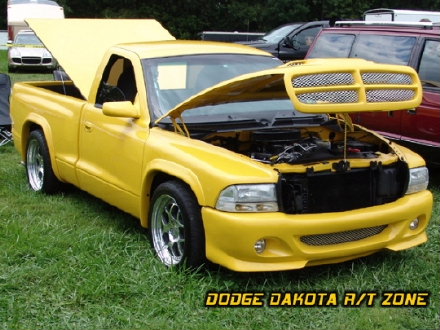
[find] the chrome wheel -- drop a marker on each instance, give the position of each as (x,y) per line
(35,165)
(167,230)
(38,165)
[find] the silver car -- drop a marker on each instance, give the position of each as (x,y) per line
(27,51)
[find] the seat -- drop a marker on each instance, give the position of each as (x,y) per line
(127,82)
(5,119)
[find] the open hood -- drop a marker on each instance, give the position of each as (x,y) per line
(319,86)
(80,44)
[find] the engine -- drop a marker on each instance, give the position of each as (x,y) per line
(294,146)
(291,147)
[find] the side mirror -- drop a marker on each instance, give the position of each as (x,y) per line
(287,42)
(123,109)
(295,43)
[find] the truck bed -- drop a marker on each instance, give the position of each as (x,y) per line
(55,107)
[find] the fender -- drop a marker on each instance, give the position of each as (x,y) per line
(36,119)
(173,169)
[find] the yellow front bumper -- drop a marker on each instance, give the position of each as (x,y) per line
(230,237)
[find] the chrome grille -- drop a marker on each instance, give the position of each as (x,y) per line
(323,79)
(342,237)
(389,95)
(386,78)
(329,97)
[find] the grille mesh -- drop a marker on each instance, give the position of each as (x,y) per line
(342,237)
(389,95)
(323,79)
(386,78)
(31,60)
(329,97)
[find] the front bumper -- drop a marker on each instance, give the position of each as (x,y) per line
(230,237)
(32,62)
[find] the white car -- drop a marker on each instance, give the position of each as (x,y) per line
(27,51)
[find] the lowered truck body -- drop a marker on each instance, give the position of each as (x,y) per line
(225,154)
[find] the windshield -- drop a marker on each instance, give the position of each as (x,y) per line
(374,47)
(279,33)
(172,80)
(261,113)
(27,39)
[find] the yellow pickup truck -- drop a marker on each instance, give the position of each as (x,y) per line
(223,152)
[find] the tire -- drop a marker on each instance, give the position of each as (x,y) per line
(38,165)
(175,226)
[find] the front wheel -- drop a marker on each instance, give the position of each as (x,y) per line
(38,165)
(176,227)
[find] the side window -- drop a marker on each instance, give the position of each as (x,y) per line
(332,45)
(429,68)
(305,37)
(384,48)
(118,82)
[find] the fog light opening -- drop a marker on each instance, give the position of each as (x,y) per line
(260,246)
(414,224)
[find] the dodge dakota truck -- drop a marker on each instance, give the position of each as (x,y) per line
(225,154)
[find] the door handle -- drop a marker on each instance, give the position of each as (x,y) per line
(412,111)
(88,126)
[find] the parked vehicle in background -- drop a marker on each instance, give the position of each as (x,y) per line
(399,15)
(230,36)
(290,41)
(28,52)
(19,10)
(413,44)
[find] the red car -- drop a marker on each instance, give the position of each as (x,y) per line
(416,45)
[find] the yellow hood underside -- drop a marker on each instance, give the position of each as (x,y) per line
(319,86)
(80,44)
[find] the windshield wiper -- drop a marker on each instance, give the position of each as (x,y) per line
(217,125)
(296,121)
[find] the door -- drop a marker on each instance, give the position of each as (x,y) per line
(422,125)
(111,148)
(390,49)
(299,45)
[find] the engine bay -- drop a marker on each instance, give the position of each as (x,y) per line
(300,145)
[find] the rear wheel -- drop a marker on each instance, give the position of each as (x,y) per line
(176,227)
(38,165)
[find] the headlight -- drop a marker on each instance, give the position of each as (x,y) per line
(47,54)
(14,52)
(248,198)
(418,179)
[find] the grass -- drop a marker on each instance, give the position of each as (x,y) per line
(70,261)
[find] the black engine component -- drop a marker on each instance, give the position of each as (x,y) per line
(291,147)
(329,191)
(288,146)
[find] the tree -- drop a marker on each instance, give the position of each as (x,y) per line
(185,18)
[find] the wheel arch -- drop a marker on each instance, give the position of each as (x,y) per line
(33,123)
(162,171)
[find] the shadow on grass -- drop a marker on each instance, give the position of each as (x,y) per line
(313,277)
(108,214)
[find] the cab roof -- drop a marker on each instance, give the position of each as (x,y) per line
(188,47)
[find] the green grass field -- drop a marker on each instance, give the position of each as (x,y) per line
(70,261)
